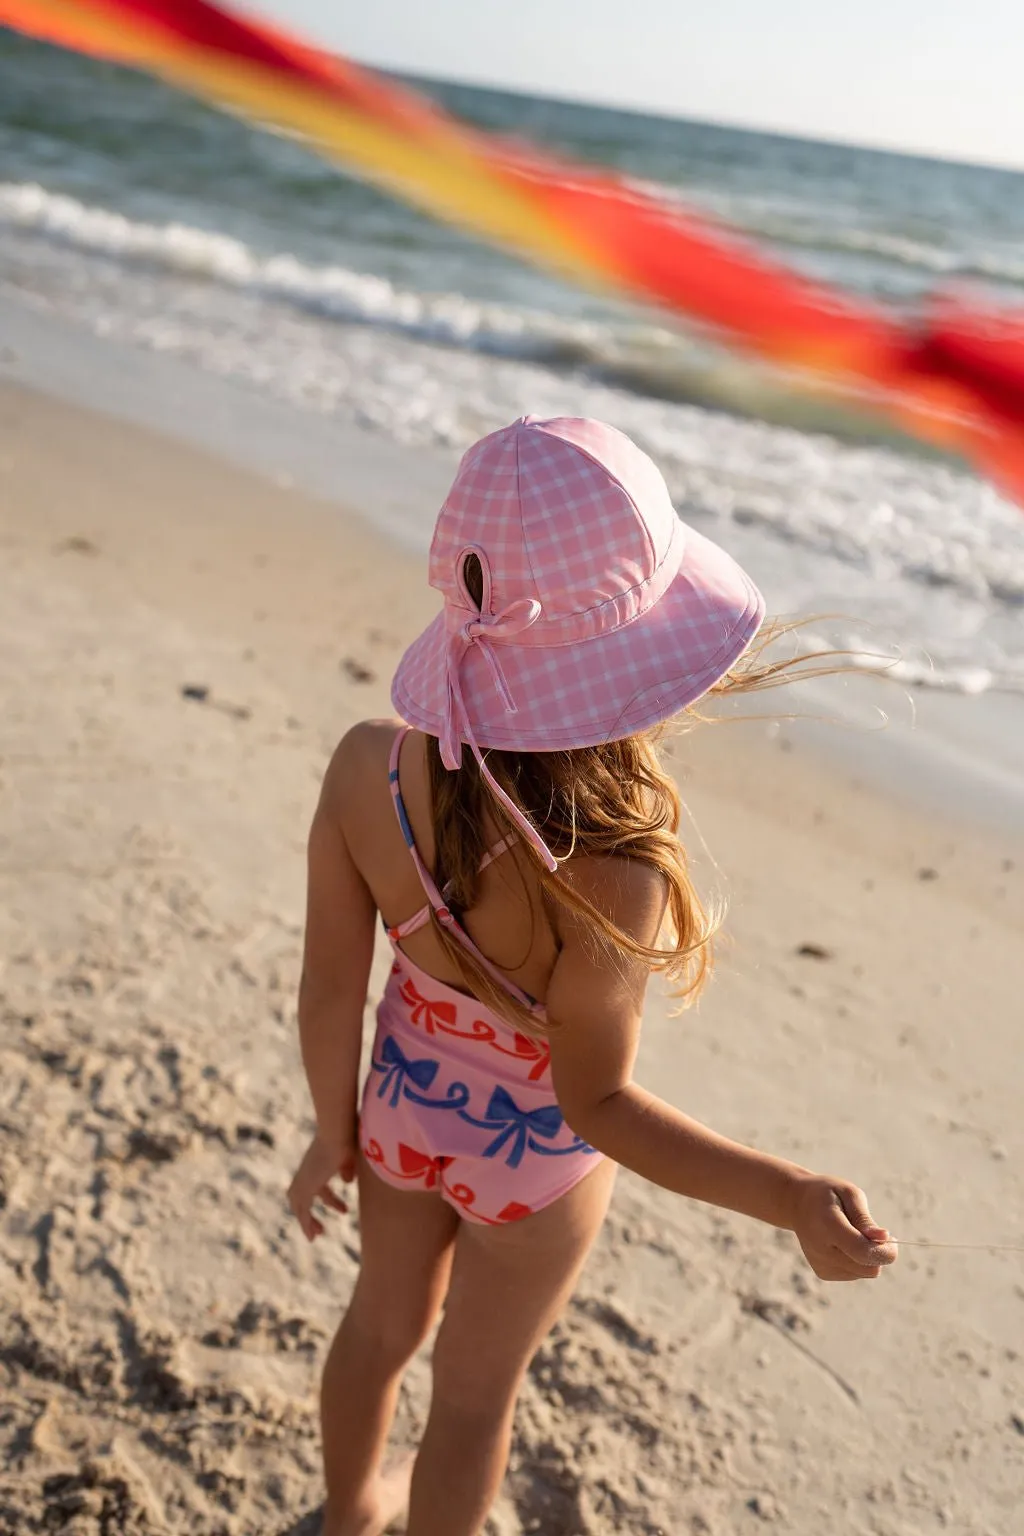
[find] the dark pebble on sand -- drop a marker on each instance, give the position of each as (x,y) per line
(357,671)
(153,1146)
(200,694)
(76,545)
(814,952)
(254,1133)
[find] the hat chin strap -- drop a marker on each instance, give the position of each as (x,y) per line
(479,632)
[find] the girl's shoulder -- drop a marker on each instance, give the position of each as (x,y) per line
(629,892)
(361,759)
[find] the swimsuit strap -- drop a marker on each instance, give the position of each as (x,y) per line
(422,917)
(434,897)
(412,924)
(495,851)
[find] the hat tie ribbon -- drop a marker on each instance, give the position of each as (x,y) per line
(478,632)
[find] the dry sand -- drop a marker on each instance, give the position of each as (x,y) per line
(161,1318)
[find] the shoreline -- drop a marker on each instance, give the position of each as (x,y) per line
(959,754)
(166,1319)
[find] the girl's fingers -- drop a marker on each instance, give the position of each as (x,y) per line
(853,1222)
(306,1220)
(854,1243)
(854,1204)
(301,1209)
(851,1243)
(859,1250)
(301,1204)
(830,1263)
(843,1270)
(862,1251)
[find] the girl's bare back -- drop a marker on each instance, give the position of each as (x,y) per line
(510,922)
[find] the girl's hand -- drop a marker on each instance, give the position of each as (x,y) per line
(322,1161)
(834,1227)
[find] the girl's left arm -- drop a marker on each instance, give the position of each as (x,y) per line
(340,916)
(595,1005)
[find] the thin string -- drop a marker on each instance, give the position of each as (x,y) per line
(920,1242)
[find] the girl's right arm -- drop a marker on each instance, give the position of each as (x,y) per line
(595,1004)
(338,952)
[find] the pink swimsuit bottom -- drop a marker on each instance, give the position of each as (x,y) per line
(457,1100)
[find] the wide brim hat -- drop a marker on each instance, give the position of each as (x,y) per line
(599,689)
(602,612)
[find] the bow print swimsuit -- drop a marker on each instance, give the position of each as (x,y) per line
(457,1100)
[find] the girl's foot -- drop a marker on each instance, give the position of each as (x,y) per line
(387,1499)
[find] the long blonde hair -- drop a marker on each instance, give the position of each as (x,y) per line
(612,799)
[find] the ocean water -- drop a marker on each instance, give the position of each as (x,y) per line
(153,220)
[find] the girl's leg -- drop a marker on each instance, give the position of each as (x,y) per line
(507,1287)
(407,1240)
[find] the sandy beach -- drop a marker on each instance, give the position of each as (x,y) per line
(182,644)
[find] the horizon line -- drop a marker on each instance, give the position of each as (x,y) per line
(792,135)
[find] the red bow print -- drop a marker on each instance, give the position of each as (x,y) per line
(514,1211)
(431,1015)
(529,1049)
(462,1195)
(417,1165)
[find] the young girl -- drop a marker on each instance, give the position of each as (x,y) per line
(527,894)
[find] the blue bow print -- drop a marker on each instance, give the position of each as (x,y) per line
(396,1068)
(518,1126)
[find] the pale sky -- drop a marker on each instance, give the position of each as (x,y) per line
(942,77)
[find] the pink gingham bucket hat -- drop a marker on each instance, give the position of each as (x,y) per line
(602,613)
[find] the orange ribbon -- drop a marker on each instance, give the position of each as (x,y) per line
(955,379)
